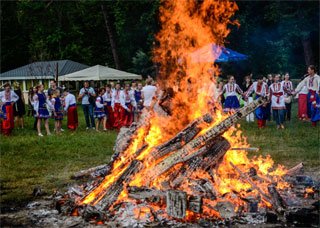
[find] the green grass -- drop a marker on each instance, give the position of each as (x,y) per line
(28,161)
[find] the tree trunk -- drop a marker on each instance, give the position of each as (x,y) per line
(111,35)
(307,49)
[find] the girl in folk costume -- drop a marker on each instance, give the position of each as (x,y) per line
(261,90)
(116,106)
(57,111)
(41,105)
(127,103)
(139,102)
(107,99)
(288,86)
(70,107)
(313,99)
(7,100)
(99,112)
(231,89)
(246,86)
(302,101)
(277,94)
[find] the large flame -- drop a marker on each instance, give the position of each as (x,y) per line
(186,27)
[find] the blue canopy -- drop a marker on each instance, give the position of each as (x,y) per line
(216,53)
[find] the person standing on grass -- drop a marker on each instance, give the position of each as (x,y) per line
(99,112)
(34,114)
(116,106)
(127,104)
(261,90)
(138,98)
(277,95)
(30,106)
(312,82)
(19,108)
(107,99)
(231,89)
(246,85)
(70,107)
(7,100)
(41,105)
(288,86)
(302,101)
(88,95)
(147,93)
(57,111)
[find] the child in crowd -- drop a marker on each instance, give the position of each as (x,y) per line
(107,99)
(277,93)
(57,111)
(41,105)
(261,90)
(70,108)
(139,102)
(246,86)
(231,89)
(116,106)
(99,112)
(288,86)
(127,103)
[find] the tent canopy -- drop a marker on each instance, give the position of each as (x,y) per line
(99,73)
(216,53)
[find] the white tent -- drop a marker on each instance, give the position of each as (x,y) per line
(99,73)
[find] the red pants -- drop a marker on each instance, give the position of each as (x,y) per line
(72,118)
(8,124)
(261,123)
(110,121)
(116,115)
(126,117)
(302,108)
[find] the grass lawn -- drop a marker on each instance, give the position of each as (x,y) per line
(29,161)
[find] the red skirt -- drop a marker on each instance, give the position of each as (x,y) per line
(302,108)
(126,117)
(110,121)
(116,115)
(8,123)
(72,121)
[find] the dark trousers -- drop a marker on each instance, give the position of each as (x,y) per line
(88,113)
(287,114)
(278,116)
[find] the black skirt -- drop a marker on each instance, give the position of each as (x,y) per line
(19,108)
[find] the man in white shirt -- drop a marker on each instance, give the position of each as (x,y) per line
(148,92)
(71,109)
(85,93)
(312,82)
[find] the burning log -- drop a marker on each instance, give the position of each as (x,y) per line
(176,203)
(276,198)
(215,131)
(110,194)
(183,137)
(88,171)
(295,170)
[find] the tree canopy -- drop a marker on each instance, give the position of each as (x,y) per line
(277,36)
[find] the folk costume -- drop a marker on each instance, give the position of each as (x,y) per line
(313,99)
(99,112)
(249,117)
(6,99)
(107,99)
(288,86)
(232,103)
(72,113)
(277,98)
(302,103)
(116,106)
(57,105)
(138,98)
(127,102)
(41,105)
(261,90)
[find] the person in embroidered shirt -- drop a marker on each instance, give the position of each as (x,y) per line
(99,112)
(7,99)
(107,100)
(127,103)
(116,106)
(313,100)
(231,89)
(288,86)
(277,93)
(261,90)
(71,109)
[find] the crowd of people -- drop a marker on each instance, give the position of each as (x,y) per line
(280,91)
(111,107)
